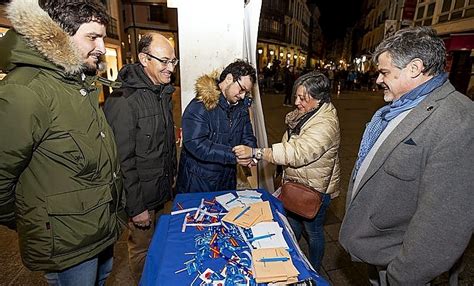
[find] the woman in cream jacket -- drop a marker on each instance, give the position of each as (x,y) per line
(308,153)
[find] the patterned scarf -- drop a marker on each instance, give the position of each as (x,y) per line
(385,114)
(295,119)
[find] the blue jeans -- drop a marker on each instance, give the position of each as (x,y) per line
(88,273)
(314,229)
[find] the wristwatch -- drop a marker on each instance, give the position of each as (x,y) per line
(258,153)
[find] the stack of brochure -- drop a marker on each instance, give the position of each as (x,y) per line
(243,199)
(268,235)
(273,265)
(249,216)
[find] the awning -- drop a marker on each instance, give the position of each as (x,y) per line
(457,42)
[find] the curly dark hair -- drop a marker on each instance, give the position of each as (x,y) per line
(238,69)
(71,14)
(317,85)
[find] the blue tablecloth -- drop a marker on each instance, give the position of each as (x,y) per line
(167,248)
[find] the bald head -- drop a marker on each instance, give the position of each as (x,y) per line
(156,55)
(161,40)
(157,39)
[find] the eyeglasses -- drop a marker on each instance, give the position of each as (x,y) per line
(242,90)
(174,61)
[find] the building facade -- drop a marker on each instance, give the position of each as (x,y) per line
(113,45)
(452,19)
(316,40)
(141,17)
(383,17)
(284,33)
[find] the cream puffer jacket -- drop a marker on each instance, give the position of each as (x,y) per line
(311,158)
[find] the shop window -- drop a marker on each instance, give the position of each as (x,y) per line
(469,13)
(275,27)
(458,4)
(430,10)
(443,18)
(446,6)
(457,9)
(456,15)
(2,33)
(421,11)
(427,22)
(424,14)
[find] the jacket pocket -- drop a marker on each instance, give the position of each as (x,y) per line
(405,162)
(149,133)
(79,218)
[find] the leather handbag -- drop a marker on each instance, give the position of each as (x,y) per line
(300,199)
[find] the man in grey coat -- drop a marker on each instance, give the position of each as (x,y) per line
(409,212)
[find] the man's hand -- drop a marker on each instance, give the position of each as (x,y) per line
(242,152)
(142,220)
(174,182)
(249,162)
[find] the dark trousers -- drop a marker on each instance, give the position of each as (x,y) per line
(139,240)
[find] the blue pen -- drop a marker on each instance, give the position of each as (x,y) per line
(250,197)
(274,259)
(231,200)
(241,213)
(261,237)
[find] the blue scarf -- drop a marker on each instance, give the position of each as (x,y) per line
(383,116)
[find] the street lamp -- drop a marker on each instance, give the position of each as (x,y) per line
(272,52)
(260,51)
(281,54)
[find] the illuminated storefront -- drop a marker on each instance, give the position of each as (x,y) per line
(113,61)
(268,54)
(2,33)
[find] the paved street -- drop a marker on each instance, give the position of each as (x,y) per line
(354,109)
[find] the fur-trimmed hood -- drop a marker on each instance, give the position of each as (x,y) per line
(207,90)
(38,32)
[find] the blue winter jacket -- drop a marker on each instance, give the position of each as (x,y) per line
(211,127)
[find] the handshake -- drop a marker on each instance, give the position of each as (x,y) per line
(247,156)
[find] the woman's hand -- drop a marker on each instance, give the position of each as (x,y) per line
(242,152)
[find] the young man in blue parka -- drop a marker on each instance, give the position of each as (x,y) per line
(216,120)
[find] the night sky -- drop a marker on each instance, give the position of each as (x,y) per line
(337,15)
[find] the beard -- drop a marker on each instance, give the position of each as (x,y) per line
(227,95)
(92,69)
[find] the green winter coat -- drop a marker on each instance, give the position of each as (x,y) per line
(59,173)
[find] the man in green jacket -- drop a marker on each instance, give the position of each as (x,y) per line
(60,182)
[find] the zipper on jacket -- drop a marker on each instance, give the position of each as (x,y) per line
(229,116)
(114,174)
(167,143)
